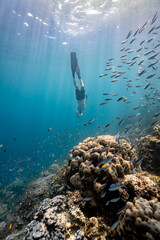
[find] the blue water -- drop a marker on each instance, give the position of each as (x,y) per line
(36,86)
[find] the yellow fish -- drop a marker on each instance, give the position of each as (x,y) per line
(10,226)
(104,166)
(15,231)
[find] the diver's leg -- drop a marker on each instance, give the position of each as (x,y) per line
(75,83)
(78,72)
(81,83)
(73,63)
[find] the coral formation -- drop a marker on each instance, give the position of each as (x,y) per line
(149,151)
(101,193)
(142,184)
(53,220)
(96,163)
(140,220)
(36,191)
(79,235)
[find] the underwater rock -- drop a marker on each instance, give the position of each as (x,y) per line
(140,220)
(96,163)
(149,151)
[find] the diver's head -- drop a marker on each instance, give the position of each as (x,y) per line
(79,114)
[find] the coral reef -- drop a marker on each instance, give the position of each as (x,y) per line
(23,213)
(101,193)
(149,151)
(96,163)
(140,220)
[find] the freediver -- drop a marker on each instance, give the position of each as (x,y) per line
(80,94)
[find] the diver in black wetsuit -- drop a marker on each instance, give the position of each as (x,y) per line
(80,94)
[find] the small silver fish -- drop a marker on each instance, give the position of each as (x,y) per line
(95,180)
(124,41)
(89,163)
(82,177)
(133,40)
(121,121)
(115,225)
(75,208)
(120,210)
(113,172)
(114,187)
(95,236)
(115,200)
(103,195)
(107,203)
(87,199)
(56,185)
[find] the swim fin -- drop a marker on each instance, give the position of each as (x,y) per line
(74,65)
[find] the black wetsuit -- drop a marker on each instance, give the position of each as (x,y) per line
(80,94)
